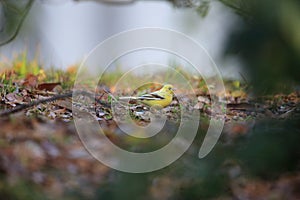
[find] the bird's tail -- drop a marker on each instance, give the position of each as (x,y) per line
(130,98)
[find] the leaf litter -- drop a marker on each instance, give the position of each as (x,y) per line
(39,142)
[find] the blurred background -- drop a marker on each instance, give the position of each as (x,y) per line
(243,37)
(64,32)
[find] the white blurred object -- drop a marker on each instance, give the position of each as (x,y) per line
(178,3)
(59,2)
(110,1)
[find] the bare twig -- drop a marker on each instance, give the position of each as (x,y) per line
(53,98)
(19,24)
(34,103)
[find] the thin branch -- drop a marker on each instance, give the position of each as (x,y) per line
(34,103)
(54,98)
(18,28)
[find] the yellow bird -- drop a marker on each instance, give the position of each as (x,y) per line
(162,97)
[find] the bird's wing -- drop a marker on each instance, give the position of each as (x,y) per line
(151,96)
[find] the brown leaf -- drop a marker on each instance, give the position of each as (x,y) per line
(47,86)
(31,81)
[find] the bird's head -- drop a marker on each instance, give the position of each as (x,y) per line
(168,88)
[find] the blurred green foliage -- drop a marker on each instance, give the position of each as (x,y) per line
(271,149)
(20,190)
(268,42)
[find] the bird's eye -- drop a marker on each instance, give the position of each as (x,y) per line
(170,88)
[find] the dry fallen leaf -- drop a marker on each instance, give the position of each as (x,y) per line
(31,81)
(48,86)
